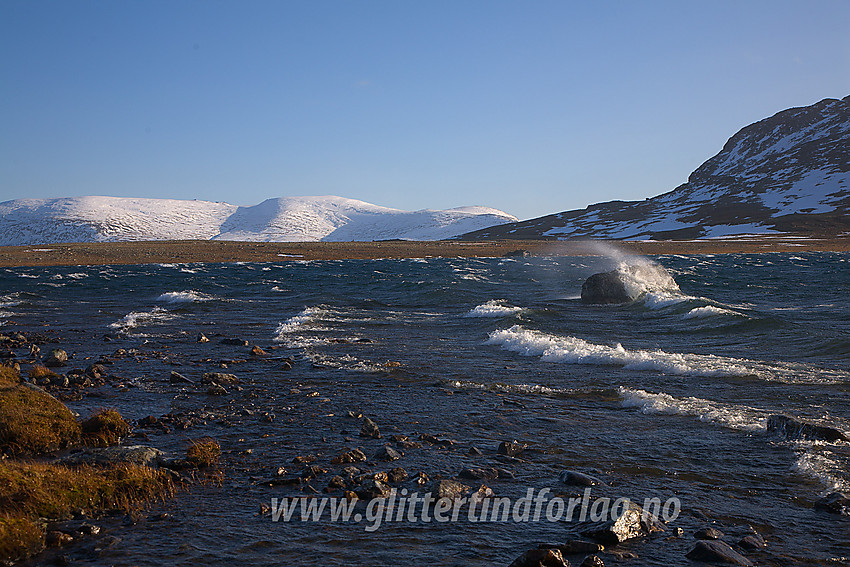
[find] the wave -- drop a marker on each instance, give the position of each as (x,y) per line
(573,350)
(708,311)
(736,417)
(183,297)
(296,322)
(532,389)
(664,299)
(136,318)
(824,467)
(493,308)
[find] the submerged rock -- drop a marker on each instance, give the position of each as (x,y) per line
(632,522)
(546,557)
(712,551)
(792,429)
(834,503)
(510,448)
(627,283)
(219,378)
(579,479)
(708,533)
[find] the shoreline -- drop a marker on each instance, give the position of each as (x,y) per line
(215,251)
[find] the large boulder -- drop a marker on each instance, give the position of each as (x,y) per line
(794,429)
(715,551)
(632,522)
(628,282)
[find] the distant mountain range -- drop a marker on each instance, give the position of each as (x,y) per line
(789,173)
(287,219)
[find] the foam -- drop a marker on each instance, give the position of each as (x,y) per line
(135,318)
(823,467)
(573,350)
(493,308)
(735,417)
(190,296)
(664,299)
(707,311)
(296,322)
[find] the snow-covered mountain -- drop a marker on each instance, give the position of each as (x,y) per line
(287,219)
(789,173)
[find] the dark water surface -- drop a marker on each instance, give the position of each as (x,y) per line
(666,397)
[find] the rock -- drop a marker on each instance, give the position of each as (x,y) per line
(133,454)
(234,342)
(219,378)
(451,489)
(96,371)
(592,561)
(579,479)
(305,459)
(709,533)
(627,283)
(549,557)
(716,551)
(370,429)
(55,538)
(217,390)
(59,381)
(834,503)
(89,529)
(510,448)
(397,475)
(579,546)
(267,417)
(794,429)
(371,488)
(434,440)
(752,541)
(404,442)
(177,378)
(483,492)
(257,351)
(387,453)
(633,522)
(479,474)
(474,451)
(353,456)
(56,357)
(202,338)
(312,471)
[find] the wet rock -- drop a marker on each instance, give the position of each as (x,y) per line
(177,378)
(286,365)
(397,475)
(474,451)
(133,454)
(592,561)
(96,371)
(89,529)
(312,471)
(55,538)
(434,440)
(510,448)
(709,533)
(335,483)
(421,478)
(353,456)
(219,378)
(55,358)
(404,442)
(370,429)
(483,492)
(217,390)
(267,417)
(202,338)
(752,541)
(579,479)
(257,351)
(371,488)
(716,551)
(479,473)
(626,283)
(632,522)
(793,429)
(834,503)
(578,547)
(549,557)
(234,342)
(387,453)
(305,459)
(451,489)
(59,381)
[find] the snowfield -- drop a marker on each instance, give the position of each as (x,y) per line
(25,222)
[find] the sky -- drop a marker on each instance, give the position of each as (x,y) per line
(531,107)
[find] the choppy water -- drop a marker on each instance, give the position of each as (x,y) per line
(664,397)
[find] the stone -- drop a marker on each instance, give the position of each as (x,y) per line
(370,429)
(632,522)
(234,342)
(579,546)
(370,489)
(834,503)
(451,489)
(579,479)
(177,378)
(305,459)
(397,475)
(55,358)
(709,533)
(217,390)
(592,561)
(711,551)
(510,448)
(752,541)
(353,456)
(257,351)
(202,338)
(548,557)
(220,378)
(628,282)
(55,538)
(474,452)
(96,371)
(434,440)
(479,474)
(387,453)
(794,429)
(132,454)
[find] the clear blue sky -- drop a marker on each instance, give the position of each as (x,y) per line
(532,107)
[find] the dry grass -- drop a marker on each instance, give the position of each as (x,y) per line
(32,421)
(204,452)
(104,428)
(39,372)
(29,491)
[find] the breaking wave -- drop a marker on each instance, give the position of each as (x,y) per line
(296,322)
(493,308)
(136,318)
(190,296)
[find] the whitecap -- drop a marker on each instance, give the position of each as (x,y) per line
(296,322)
(137,318)
(189,296)
(707,311)
(493,308)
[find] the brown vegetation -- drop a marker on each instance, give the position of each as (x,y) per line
(203,452)
(39,372)
(104,428)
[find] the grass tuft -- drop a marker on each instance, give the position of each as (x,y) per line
(203,452)
(39,372)
(19,537)
(104,428)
